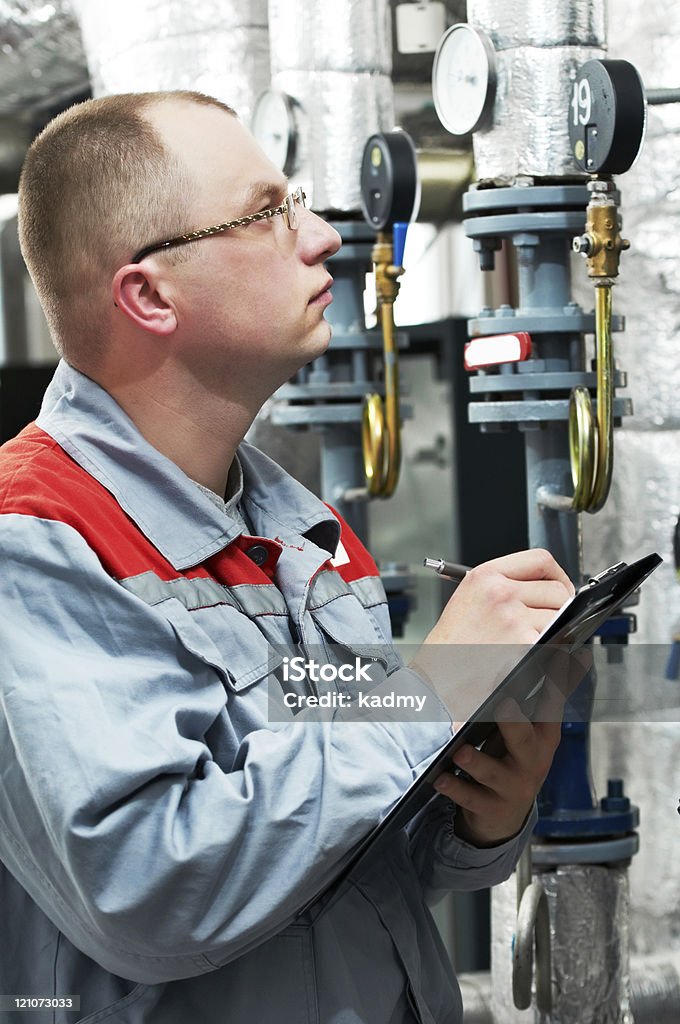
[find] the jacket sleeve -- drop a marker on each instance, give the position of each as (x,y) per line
(151,853)
(446,862)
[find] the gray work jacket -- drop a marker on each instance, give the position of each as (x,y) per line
(158,831)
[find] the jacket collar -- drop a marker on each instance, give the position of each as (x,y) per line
(168,507)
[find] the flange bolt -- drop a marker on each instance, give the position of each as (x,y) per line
(615,799)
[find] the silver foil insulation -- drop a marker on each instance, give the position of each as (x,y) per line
(644,503)
(220,48)
(334,59)
(536,23)
(643,506)
(589,939)
(646,755)
(538,47)
(41,55)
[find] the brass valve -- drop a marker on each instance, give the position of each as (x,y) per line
(386,274)
(591,438)
(602,243)
(381,427)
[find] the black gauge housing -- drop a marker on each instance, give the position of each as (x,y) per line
(389,179)
(607,116)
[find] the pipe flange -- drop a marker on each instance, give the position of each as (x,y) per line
(479,201)
(606,851)
(547,322)
(537,222)
(323,415)
(533,411)
(489,383)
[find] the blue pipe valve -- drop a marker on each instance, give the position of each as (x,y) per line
(399,242)
(567,806)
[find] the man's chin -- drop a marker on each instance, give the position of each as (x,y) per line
(320,340)
(312,348)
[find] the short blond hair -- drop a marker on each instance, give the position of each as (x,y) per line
(97,184)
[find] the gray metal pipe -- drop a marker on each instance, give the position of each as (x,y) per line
(657,97)
(655,988)
(654,992)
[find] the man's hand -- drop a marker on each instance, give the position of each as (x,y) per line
(509,600)
(496,614)
(494,804)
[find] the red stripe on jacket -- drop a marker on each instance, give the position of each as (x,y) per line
(38,478)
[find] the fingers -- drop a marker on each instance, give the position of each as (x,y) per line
(531,745)
(520,624)
(515,777)
(564,671)
(510,600)
(524,738)
(539,619)
(487,776)
(496,793)
(491,786)
(550,703)
(544,594)
(528,587)
(534,564)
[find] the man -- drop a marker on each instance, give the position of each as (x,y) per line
(159,833)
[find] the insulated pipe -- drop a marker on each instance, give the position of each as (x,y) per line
(537,51)
(334,58)
(655,988)
(538,46)
(219,47)
(643,504)
(43,62)
(654,992)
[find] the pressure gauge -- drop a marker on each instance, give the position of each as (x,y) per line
(607,116)
(273,125)
(389,179)
(464,79)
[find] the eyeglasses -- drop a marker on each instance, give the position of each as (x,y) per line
(287,209)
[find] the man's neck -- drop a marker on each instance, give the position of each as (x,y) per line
(201,437)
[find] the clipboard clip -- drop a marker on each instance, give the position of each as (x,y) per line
(606,573)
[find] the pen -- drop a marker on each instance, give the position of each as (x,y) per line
(449,570)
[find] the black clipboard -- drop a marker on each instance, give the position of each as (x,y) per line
(575,623)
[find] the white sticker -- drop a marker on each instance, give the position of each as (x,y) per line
(341,557)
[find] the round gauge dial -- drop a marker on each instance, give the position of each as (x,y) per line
(464,79)
(607,116)
(273,125)
(389,179)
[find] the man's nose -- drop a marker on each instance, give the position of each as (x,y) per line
(319,239)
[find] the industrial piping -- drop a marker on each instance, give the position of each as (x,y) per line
(220,48)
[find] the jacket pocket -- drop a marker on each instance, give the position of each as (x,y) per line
(226,640)
(349,627)
(274,981)
(128,1010)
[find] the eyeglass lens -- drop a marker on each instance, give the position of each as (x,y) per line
(290,212)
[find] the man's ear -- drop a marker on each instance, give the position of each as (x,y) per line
(139,294)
